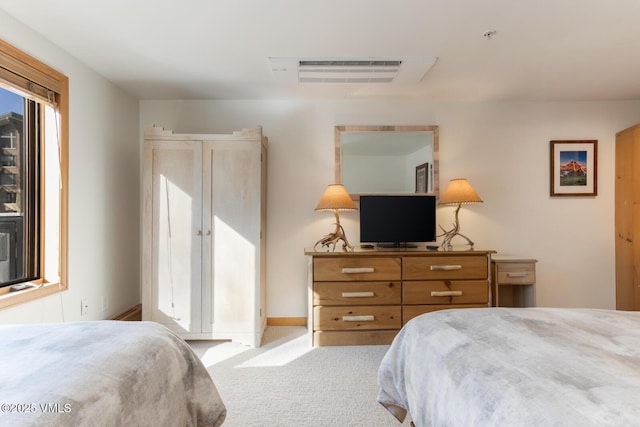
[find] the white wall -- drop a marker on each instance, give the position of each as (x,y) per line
(502,148)
(103,190)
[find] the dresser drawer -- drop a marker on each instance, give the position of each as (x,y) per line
(515,273)
(449,292)
(411,311)
(445,267)
(356,269)
(357,293)
(379,337)
(328,318)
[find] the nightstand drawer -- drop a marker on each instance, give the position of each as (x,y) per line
(449,292)
(329,318)
(516,273)
(356,269)
(445,267)
(357,293)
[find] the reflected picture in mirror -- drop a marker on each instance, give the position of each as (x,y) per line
(387,159)
(422,178)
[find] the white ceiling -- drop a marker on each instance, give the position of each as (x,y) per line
(219,49)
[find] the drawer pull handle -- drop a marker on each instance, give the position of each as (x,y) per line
(367,294)
(364,318)
(446,267)
(347,270)
(524,274)
(446,293)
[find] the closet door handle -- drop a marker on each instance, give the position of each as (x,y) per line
(199,233)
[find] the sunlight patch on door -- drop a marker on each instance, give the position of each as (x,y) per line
(234,270)
(174,236)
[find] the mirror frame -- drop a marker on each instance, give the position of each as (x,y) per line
(339,130)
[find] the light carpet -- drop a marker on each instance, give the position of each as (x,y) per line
(286,382)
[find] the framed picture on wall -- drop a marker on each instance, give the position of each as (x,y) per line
(574,168)
(422,178)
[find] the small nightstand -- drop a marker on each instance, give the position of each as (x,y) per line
(513,281)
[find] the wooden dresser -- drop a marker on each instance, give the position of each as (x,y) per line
(366,296)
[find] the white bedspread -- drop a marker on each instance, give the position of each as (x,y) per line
(103,373)
(515,367)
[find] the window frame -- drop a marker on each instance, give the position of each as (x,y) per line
(24,69)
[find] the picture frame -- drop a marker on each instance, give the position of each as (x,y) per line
(422,178)
(574,168)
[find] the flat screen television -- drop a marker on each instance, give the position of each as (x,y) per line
(397,220)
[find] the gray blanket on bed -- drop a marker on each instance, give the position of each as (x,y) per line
(103,373)
(515,367)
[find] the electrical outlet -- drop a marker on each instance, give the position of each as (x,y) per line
(84,307)
(105,303)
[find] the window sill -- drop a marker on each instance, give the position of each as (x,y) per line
(11,299)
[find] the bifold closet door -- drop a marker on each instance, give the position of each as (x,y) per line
(231,250)
(174,190)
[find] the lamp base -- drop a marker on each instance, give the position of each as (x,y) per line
(331,239)
(455,231)
(448,236)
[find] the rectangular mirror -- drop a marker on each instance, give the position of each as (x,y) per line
(387,159)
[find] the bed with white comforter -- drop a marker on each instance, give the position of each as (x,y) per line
(103,373)
(515,367)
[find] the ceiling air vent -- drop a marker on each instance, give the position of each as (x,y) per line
(365,70)
(348,71)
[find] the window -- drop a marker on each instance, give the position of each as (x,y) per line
(19,188)
(33,177)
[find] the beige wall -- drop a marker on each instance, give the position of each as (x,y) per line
(502,148)
(103,191)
